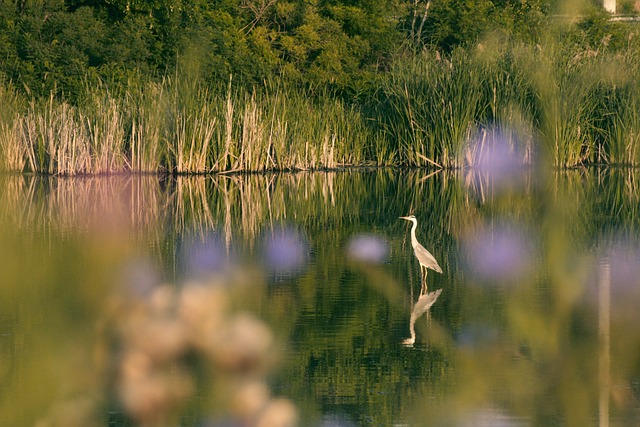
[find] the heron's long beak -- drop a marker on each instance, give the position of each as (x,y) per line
(405,217)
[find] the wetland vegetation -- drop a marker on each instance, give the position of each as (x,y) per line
(285,95)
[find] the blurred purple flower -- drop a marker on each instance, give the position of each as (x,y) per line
(496,159)
(624,261)
(500,254)
(284,250)
(614,285)
(622,257)
(368,248)
(204,256)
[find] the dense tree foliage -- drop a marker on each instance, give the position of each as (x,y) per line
(56,44)
(61,45)
(452,23)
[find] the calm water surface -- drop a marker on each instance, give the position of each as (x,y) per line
(535,323)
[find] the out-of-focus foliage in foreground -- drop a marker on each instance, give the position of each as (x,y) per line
(83,346)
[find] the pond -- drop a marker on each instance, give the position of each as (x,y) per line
(258,299)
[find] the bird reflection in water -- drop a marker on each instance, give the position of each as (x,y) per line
(424,303)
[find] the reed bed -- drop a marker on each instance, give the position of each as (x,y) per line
(576,107)
(145,107)
(184,127)
(12,147)
(616,129)
(565,109)
(430,108)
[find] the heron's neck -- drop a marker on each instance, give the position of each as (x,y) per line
(414,240)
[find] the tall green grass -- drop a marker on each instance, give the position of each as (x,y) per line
(616,129)
(577,107)
(565,109)
(430,105)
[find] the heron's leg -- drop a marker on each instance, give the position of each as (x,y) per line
(423,288)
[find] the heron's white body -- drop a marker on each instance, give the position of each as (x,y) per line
(425,258)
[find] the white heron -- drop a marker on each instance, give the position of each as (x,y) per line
(425,258)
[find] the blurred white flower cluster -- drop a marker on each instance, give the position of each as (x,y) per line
(163,347)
